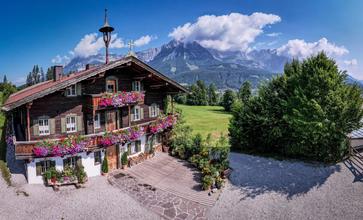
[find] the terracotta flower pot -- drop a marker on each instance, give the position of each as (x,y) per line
(166,149)
(124,166)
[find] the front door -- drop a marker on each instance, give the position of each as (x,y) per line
(111,120)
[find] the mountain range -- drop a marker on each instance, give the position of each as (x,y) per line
(189,62)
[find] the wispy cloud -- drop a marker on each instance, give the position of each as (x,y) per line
(144,40)
(274,34)
(352,62)
(226,32)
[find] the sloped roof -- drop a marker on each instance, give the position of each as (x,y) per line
(45,88)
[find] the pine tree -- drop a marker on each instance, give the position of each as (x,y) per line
(29,80)
(212,94)
(245,92)
(49,75)
(42,77)
(5,79)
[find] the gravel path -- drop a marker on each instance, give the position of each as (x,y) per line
(99,200)
(262,188)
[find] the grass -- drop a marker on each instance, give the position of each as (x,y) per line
(5,172)
(206,119)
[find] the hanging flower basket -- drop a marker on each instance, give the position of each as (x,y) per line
(162,124)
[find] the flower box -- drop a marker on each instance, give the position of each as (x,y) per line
(121,99)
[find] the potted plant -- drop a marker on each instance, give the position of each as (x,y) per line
(152,152)
(207,182)
(104,167)
(81,175)
(124,160)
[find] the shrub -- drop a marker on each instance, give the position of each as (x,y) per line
(104,167)
(80,174)
(5,172)
(207,182)
(124,159)
(305,113)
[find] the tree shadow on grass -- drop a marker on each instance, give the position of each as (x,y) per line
(220,111)
(254,176)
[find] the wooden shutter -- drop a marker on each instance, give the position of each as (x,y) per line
(78,89)
(79,161)
(38,168)
(129,149)
(65,162)
(141,86)
(63,125)
(141,113)
(35,127)
(157,110)
(133,86)
(138,146)
(132,114)
(52,125)
(79,123)
(150,107)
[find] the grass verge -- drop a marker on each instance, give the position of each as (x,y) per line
(5,172)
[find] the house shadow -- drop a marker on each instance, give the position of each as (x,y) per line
(254,176)
(197,175)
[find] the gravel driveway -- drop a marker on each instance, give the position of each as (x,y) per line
(99,200)
(262,188)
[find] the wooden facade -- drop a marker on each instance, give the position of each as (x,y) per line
(71,107)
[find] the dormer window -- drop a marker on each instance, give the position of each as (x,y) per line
(136,86)
(71,90)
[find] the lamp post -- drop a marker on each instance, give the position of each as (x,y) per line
(106,30)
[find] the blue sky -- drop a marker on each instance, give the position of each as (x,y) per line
(36,32)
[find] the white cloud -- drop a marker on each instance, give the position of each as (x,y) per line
(226,32)
(20,80)
(352,62)
(300,49)
(91,44)
(274,34)
(144,40)
(61,59)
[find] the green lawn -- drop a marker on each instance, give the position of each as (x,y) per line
(206,119)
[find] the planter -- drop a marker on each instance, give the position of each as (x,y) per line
(124,166)
(166,149)
(103,174)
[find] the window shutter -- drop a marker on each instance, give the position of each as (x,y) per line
(80,123)
(138,146)
(79,161)
(150,107)
(129,149)
(79,89)
(52,125)
(133,86)
(141,113)
(132,114)
(65,163)
(38,168)
(52,163)
(63,125)
(141,86)
(157,110)
(35,127)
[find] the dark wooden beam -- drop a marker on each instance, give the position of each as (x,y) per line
(28,106)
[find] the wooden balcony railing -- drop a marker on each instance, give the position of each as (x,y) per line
(120,99)
(24,149)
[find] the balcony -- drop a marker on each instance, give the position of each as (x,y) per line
(115,100)
(26,149)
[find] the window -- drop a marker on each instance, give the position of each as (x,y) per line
(43,126)
(154,110)
(43,166)
(134,148)
(71,124)
(71,90)
(97,155)
(111,84)
(136,86)
(70,162)
(97,121)
(136,113)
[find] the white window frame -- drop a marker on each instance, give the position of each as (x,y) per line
(97,121)
(72,162)
(136,86)
(138,110)
(71,91)
(46,165)
(43,126)
(154,110)
(71,127)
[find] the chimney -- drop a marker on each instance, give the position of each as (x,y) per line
(57,73)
